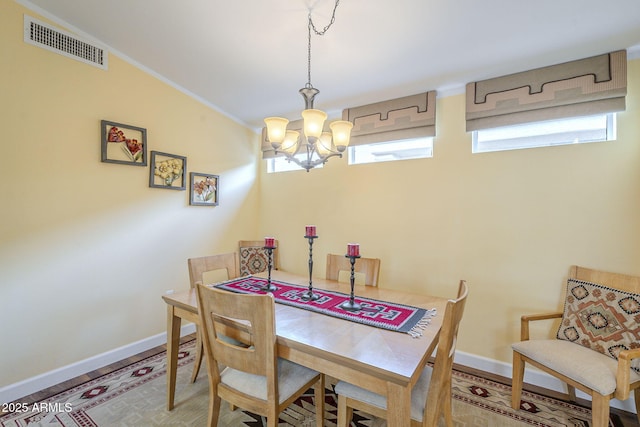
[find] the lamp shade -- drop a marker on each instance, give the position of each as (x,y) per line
(290,143)
(323,145)
(341,130)
(276,129)
(313,122)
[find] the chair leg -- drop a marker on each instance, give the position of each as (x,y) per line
(318,392)
(446,409)
(571,392)
(600,410)
(214,410)
(345,413)
(434,406)
(518,378)
(636,394)
(272,417)
(199,356)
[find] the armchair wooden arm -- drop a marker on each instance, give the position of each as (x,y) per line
(524,322)
(623,381)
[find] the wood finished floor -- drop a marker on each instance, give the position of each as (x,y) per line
(628,419)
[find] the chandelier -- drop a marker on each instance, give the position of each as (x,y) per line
(318,145)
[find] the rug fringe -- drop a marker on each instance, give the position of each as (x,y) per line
(416,331)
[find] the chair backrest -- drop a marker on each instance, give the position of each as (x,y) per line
(612,280)
(369,267)
(440,383)
(199,266)
(253,257)
(252,316)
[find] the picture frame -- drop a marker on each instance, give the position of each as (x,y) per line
(167,171)
(123,144)
(204,189)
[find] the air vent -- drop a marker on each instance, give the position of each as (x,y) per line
(55,40)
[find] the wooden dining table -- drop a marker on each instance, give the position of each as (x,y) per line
(386,362)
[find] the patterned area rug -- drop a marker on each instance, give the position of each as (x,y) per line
(136,396)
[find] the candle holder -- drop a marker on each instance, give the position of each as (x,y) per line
(309,295)
(269,287)
(351,305)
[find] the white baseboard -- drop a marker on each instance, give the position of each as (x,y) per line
(13,392)
(532,376)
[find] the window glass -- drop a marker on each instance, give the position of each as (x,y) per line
(545,134)
(392,150)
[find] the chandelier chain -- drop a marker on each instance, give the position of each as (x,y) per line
(312,147)
(333,19)
(311,26)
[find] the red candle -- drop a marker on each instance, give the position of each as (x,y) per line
(310,231)
(269,242)
(353,249)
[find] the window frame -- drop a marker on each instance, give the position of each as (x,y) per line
(351,150)
(580,135)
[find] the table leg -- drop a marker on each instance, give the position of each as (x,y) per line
(173,344)
(398,405)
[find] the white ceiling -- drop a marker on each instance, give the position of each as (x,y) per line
(248,58)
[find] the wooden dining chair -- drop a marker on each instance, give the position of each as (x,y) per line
(253,257)
(431,395)
(368,267)
(198,267)
(599,325)
(254,378)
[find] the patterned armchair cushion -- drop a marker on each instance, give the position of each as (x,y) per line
(253,259)
(600,318)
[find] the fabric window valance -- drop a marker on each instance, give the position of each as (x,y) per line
(595,85)
(409,117)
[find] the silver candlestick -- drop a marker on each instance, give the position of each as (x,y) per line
(309,295)
(351,305)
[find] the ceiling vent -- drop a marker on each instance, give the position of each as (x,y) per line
(55,40)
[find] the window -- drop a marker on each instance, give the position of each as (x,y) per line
(392,150)
(574,130)
(281,164)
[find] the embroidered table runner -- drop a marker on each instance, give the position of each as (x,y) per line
(381,314)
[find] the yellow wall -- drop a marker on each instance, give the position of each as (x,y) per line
(510,223)
(87,249)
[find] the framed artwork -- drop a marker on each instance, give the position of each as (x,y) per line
(167,171)
(203,189)
(124,144)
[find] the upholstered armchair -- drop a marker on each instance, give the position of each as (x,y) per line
(597,346)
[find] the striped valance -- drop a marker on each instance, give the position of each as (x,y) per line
(588,86)
(402,118)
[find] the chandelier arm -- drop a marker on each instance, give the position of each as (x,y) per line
(305,164)
(288,155)
(308,163)
(323,159)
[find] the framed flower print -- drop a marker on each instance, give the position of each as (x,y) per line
(203,189)
(167,171)
(124,144)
